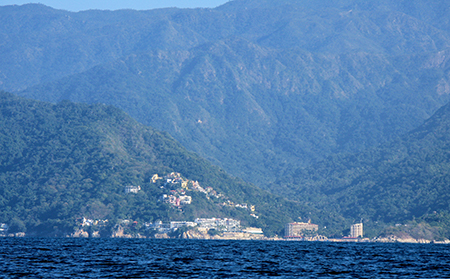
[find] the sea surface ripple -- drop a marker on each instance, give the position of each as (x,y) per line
(152,258)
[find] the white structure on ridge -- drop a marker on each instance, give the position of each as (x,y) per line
(132,189)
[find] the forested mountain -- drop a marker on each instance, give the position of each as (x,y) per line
(265,89)
(406,179)
(253,96)
(66,161)
(253,86)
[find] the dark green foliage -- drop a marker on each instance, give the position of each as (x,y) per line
(67,161)
(261,88)
(406,179)
(255,87)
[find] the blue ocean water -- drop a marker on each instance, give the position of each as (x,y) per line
(152,258)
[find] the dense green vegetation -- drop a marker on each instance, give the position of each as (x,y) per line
(253,96)
(287,103)
(400,181)
(66,161)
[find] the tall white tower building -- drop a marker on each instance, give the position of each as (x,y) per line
(356,230)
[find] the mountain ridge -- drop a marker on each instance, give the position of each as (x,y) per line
(211,100)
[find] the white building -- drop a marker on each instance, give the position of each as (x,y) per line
(253,230)
(218,223)
(169,227)
(209,223)
(3,228)
(356,230)
(299,229)
(132,189)
(185,199)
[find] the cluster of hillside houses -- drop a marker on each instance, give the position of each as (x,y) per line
(174,179)
(178,187)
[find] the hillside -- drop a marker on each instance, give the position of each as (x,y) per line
(62,162)
(406,179)
(253,96)
(255,87)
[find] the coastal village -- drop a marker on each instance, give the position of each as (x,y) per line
(200,228)
(177,195)
(220,229)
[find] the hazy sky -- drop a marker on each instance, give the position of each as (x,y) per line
(77,5)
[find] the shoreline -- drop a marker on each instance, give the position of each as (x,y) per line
(187,236)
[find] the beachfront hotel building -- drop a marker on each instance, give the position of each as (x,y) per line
(293,230)
(356,230)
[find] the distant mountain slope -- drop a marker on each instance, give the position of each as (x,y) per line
(389,27)
(402,180)
(40,44)
(253,86)
(255,111)
(66,161)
